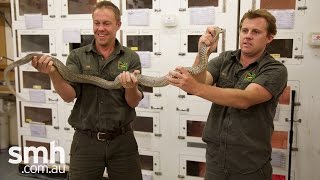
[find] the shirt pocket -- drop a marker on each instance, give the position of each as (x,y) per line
(110,72)
(114,74)
(242,85)
(90,72)
(225,83)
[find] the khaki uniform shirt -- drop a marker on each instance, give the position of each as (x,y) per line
(239,140)
(99,109)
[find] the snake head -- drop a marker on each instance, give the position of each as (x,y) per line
(219,30)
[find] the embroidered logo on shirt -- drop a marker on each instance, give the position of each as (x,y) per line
(249,76)
(123,66)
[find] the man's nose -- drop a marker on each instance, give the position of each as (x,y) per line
(249,35)
(100,27)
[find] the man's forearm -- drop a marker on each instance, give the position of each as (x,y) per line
(62,87)
(133,96)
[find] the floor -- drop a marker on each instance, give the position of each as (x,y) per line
(11,171)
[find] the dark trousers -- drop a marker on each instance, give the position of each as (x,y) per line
(215,173)
(89,157)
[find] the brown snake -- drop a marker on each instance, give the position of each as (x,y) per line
(94,80)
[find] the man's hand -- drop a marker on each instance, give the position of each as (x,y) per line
(44,64)
(181,78)
(129,80)
(210,38)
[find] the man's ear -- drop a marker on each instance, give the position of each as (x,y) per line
(270,38)
(119,24)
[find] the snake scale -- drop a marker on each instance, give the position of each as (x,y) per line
(94,80)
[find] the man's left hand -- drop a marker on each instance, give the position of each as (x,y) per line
(129,80)
(181,78)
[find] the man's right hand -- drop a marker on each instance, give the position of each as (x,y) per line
(44,64)
(209,39)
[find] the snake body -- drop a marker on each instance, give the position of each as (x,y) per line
(94,80)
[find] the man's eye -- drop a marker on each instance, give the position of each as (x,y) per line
(255,32)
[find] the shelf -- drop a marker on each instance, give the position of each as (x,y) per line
(5,90)
(3,66)
(4,4)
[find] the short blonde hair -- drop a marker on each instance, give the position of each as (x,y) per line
(108,5)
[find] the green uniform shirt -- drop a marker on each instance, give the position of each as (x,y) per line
(240,139)
(99,109)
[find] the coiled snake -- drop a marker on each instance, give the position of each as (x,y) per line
(94,80)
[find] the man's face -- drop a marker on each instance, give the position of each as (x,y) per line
(254,37)
(105,26)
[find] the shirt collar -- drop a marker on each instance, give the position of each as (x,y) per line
(118,49)
(236,55)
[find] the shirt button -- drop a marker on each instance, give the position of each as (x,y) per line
(101,102)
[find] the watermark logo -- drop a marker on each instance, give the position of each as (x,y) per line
(36,163)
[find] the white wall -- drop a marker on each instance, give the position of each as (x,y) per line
(306,160)
(308,156)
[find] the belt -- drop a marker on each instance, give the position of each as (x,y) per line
(108,135)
